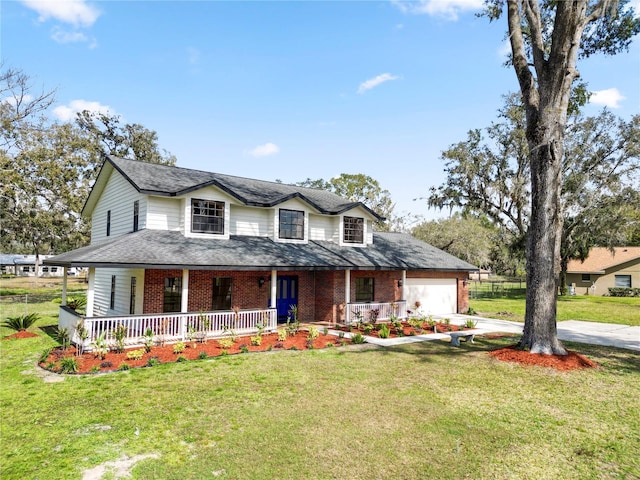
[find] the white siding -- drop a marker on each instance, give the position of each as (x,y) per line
(123,291)
(164,213)
(323,228)
(118,197)
(250,221)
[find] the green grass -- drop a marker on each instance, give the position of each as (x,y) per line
(420,411)
(618,310)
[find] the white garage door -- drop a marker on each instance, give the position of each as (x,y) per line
(436,295)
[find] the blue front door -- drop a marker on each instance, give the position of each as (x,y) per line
(287,295)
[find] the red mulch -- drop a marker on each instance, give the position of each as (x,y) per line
(20,334)
(165,354)
(407,330)
(571,361)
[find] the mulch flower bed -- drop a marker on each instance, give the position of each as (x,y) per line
(89,363)
(571,361)
(405,330)
(20,334)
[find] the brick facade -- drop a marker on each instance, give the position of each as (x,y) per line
(320,293)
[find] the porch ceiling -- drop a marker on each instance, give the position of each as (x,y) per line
(166,249)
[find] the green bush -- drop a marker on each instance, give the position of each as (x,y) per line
(384,331)
(21,322)
(358,338)
(624,292)
(69,365)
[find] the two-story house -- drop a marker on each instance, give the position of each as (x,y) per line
(169,244)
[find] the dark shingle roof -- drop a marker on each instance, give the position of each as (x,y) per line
(170,249)
(171,181)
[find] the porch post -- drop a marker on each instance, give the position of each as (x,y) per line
(184,305)
(91,291)
(64,287)
(274,288)
(347,296)
(404,285)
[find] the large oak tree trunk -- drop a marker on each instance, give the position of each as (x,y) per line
(543,240)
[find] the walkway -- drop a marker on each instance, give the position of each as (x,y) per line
(606,334)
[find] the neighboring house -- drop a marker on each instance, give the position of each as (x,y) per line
(604,269)
(25,266)
(167,239)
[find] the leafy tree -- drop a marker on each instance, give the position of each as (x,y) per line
(109,137)
(358,188)
(465,236)
(546,39)
(49,167)
(490,176)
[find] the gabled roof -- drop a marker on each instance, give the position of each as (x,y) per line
(164,180)
(171,249)
(601,258)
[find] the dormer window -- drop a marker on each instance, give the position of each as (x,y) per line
(207,216)
(291,224)
(353,230)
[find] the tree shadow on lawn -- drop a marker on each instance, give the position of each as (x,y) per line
(51,331)
(613,360)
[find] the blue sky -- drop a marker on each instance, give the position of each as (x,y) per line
(289,90)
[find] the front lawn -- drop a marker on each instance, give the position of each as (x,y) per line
(425,410)
(619,310)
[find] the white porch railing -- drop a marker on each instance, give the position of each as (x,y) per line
(381,311)
(169,327)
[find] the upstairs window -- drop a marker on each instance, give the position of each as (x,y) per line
(291,224)
(364,289)
(136,214)
(207,216)
(108,222)
(353,230)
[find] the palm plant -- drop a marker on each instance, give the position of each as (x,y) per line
(21,322)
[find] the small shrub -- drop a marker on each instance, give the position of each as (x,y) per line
(123,367)
(313,333)
(471,311)
(225,343)
(256,341)
(136,354)
(293,348)
(358,338)
(153,361)
(384,331)
(69,365)
(106,364)
(367,327)
(51,366)
(202,355)
(244,348)
(147,340)
(269,348)
(340,334)
(76,303)
(95,369)
(469,323)
(325,331)
(282,334)
(119,334)
(179,347)
(44,355)
(99,345)
(181,358)
(21,322)
(62,337)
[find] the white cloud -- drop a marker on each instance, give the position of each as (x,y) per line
(75,12)
(68,113)
(62,36)
(264,150)
(448,9)
(610,97)
(375,81)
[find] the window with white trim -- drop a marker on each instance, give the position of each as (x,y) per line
(291,224)
(353,230)
(112,297)
(207,216)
